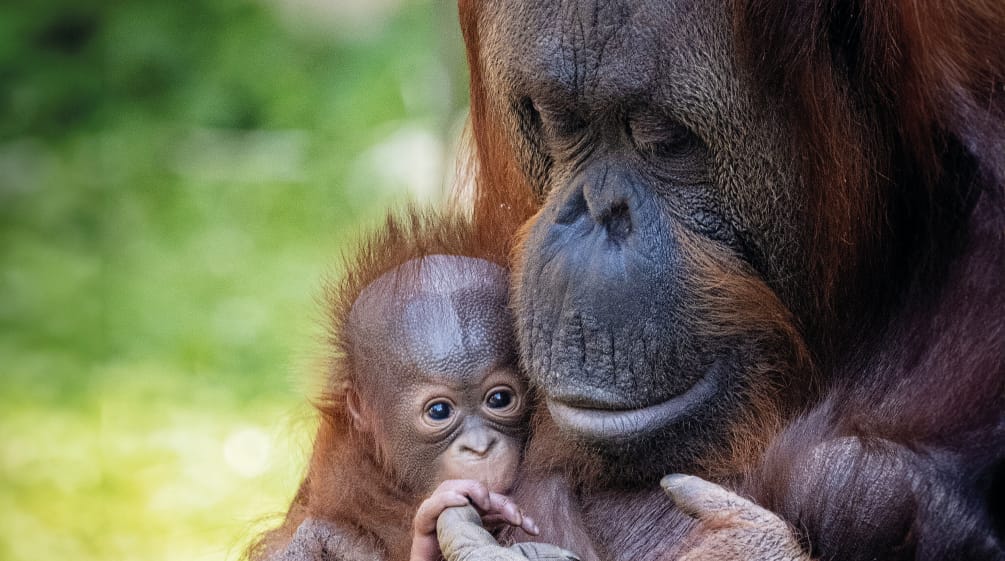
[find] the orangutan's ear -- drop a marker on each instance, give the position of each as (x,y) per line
(357,411)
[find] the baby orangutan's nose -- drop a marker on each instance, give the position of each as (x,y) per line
(479,442)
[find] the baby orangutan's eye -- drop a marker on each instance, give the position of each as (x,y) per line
(499,399)
(439,411)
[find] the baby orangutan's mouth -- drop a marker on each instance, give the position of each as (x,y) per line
(497,469)
(595,421)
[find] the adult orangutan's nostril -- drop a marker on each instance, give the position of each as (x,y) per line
(609,194)
(617,220)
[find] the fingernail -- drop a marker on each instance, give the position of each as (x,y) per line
(673,480)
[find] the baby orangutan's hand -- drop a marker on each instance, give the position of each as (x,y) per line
(494,508)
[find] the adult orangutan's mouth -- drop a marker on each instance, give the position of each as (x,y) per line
(612,424)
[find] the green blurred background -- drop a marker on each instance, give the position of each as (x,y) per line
(176,180)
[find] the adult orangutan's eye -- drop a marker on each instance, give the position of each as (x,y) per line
(663,140)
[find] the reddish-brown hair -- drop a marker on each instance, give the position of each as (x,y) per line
(347,482)
(898,109)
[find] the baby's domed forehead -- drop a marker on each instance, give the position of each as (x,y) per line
(441,317)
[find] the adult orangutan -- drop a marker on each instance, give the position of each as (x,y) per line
(764,245)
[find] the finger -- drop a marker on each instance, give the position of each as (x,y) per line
(459,532)
(477,491)
(543,552)
(512,514)
(504,506)
(737,528)
(496,521)
(530,526)
(431,508)
(705,500)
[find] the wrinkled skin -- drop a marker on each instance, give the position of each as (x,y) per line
(732,528)
(647,148)
(649,138)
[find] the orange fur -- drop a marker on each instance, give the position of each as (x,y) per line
(348,480)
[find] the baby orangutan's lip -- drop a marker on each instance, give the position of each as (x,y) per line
(610,424)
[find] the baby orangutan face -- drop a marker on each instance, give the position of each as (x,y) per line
(436,382)
(480,425)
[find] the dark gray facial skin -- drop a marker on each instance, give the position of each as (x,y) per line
(634,125)
(435,368)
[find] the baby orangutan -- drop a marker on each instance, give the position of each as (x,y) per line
(437,389)
(424,408)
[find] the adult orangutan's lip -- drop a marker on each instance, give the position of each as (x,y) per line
(622,424)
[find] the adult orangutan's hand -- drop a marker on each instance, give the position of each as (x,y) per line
(730,528)
(462,538)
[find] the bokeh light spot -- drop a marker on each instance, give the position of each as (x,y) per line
(246,451)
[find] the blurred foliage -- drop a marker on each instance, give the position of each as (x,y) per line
(176,179)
